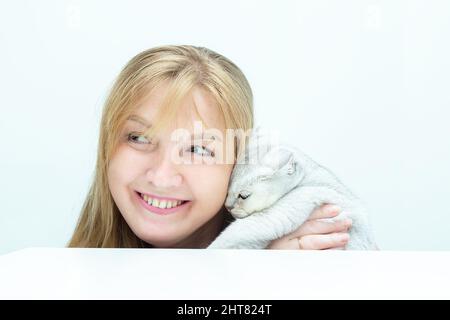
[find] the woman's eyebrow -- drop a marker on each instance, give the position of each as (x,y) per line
(204,136)
(139,119)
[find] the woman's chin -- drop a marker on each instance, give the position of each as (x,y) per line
(174,236)
(161,241)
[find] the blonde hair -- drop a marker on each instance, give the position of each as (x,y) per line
(100,224)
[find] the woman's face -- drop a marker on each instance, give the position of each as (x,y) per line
(141,166)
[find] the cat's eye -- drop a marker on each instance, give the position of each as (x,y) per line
(244,195)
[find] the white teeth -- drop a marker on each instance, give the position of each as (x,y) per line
(163,204)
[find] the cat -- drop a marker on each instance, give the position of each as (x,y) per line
(274,196)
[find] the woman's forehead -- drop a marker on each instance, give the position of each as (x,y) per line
(197,105)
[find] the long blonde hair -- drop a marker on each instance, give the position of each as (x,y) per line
(100,224)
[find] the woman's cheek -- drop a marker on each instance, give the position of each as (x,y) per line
(210,185)
(123,169)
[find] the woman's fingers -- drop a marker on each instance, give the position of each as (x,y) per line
(284,244)
(323,241)
(325,211)
(319,232)
(311,227)
(336,240)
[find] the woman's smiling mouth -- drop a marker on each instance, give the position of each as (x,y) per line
(160,205)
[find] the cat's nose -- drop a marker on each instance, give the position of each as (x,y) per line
(229,205)
(229,202)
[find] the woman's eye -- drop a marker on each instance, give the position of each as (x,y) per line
(132,137)
(201,150)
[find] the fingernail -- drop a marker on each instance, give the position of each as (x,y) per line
(332,209)
(348,222)
(344,237)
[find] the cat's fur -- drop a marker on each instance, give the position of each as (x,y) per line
(281,191)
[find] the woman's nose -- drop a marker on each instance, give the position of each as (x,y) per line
(163,173)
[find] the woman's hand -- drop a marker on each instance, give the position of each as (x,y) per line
(316,233)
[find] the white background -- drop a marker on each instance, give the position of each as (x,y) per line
(362,86)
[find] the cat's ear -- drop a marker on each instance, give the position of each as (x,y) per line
(290,167)
(279,159)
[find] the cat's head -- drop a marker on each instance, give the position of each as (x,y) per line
(254,187)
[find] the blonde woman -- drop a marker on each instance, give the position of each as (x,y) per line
(140,197)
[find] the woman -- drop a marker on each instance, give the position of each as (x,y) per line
(140,196)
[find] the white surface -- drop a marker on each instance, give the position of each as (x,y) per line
(47,273)
(361,85)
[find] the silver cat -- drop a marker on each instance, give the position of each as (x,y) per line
(274,196)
